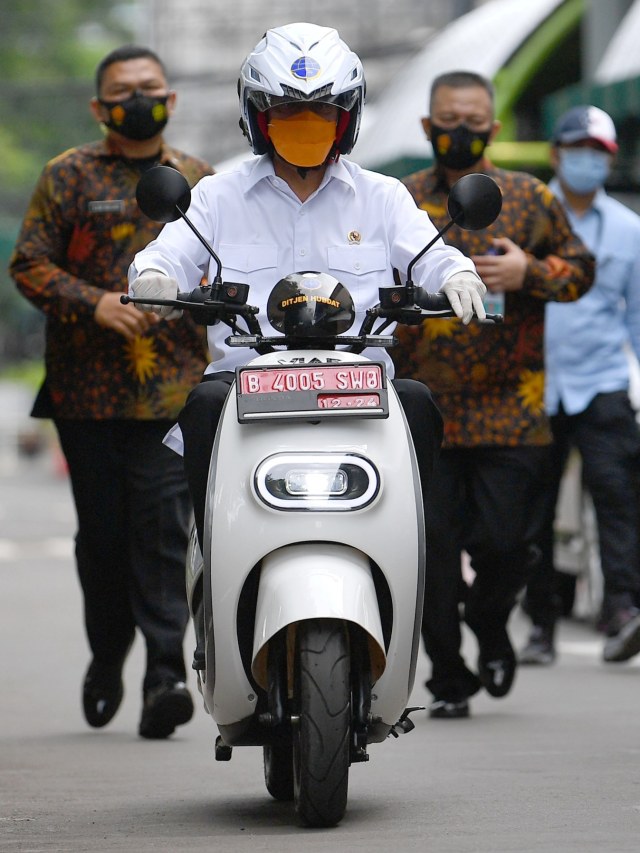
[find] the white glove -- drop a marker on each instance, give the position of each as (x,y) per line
(464,291)
(152,284)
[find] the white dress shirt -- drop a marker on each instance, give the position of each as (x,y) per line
(357,226)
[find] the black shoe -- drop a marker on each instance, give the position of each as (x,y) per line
(102,693)
(165,707)
(497,672)
(624,636)
(539,649)
(442,709)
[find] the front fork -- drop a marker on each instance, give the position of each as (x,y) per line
(360,694)
(278,716)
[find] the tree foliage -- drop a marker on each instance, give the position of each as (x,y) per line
(49,50)
(48,53)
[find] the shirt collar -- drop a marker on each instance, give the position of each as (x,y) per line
(486,167)
(262,169)
(597,203)
(108,147)
(339,171)
(259,170)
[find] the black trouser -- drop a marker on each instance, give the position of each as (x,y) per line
(484,500)
(199,421)
(606,435)
(133,511)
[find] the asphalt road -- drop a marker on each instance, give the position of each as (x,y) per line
(552,767)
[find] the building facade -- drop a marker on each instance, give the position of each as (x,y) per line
(204,42)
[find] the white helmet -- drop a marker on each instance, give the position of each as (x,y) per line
(301,62)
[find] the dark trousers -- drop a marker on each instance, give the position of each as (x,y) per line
(133,512)
(201,414)
(484,500)
(606,435)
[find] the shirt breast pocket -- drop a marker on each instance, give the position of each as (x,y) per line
(357,260)
(247,264)
(613,272)
(361,269)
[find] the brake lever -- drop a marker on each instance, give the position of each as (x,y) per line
(206,313)
(414,315)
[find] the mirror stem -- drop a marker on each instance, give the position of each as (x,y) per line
(218,279)
(426,249)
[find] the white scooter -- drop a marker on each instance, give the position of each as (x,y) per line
(308,603)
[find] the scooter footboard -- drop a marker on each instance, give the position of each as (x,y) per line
(316,581)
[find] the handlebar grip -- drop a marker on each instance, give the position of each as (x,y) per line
(434,301)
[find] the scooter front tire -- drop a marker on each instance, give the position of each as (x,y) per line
(322,722)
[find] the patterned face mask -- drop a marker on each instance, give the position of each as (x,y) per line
(303,139)
(459,147)
(138,117)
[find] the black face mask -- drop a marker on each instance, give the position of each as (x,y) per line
(138,117)
(460,147)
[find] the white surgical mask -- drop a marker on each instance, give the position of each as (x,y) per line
(584,170)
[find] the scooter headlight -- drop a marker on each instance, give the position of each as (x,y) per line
(316,481)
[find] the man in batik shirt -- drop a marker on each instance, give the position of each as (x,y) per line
(488,381)
(115,382)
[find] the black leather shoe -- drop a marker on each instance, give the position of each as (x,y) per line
(442,709)
(102,693)
(165,707)
(497,673)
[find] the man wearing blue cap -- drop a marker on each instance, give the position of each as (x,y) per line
(587,385)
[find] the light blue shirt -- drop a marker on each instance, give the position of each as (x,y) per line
(586,342)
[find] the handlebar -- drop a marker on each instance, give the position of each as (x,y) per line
(397,305)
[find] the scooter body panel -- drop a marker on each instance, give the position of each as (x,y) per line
(242,532)
(311,581)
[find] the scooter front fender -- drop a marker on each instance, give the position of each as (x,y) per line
(316,581)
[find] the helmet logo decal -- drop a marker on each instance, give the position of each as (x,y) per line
(311,280)
(305,68)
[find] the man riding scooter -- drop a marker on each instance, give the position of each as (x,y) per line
(299,206)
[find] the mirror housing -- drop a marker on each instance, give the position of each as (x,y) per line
(475,201)
(163,194)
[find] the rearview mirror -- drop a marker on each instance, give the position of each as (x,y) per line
(475,201)
(163,194)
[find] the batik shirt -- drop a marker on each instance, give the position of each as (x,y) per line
(81,230)
(488,380)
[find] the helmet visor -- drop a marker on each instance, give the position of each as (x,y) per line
(263,101)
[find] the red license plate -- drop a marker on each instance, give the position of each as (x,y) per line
(367,377)
(348,401)
(312,391)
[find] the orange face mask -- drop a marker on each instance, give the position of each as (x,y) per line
(303,139)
